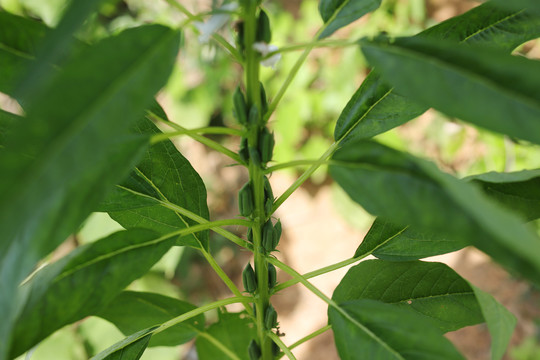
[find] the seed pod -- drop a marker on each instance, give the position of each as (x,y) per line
(240,37)
(240,107)
(264,100)
(254,350)
(245,200)
(250,235)
(264,33)
(272,276)
(268,206)
(268,193)
(268,236)
(277,234)
(270,317)
(266,145)
(254,115)
(244,152)
(249,279)
(255,157)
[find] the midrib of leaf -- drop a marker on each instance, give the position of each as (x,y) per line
(154,186)
(334,15)
(386,241)
(16,51)
(81,119)
(368,111)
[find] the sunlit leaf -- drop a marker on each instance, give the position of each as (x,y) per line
(130,348)
(339,13)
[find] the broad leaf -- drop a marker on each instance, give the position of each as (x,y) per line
(485,87)
(519,191)
(410,191)
(130,348)
(339,13)
(368,329)
(500,322)
(19,38)
(163,174)
(376,107)
(233,331)
(388,241)
(84,282)
(427,288)
(7,121)
(131,311)
(531,5)
(73,146)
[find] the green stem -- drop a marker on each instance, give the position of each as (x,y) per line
(282,346)
(289,164)
(324,157)
(218,344)
(203,140)
(202,310)
(319,272)
(314,44)
(203,130)
(310,336)
(223,276)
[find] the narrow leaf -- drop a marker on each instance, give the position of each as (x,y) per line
(83,283)
(519,191)
(368,329)
(431,289)
(485,87)
(376,107)
(232,333)
(163,174)
(339,13)
(392,242)
(131,311)
(130,348)
(410,191)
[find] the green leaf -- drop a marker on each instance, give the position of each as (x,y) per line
(83,283)
(73,147)
(19,38)
(478,85)
(519,191)
(531,5)
(233,332)
(376,107)
(368,329)
(130,348)
(7,120)
(431,289)
(131,311)
(339,13)
(163,174)
(410,191)
(500,322)
(392,242)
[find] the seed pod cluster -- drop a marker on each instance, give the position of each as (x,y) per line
(264,33)
(270,236)
(270,317)
(254,350)
(246,202)
(249,279)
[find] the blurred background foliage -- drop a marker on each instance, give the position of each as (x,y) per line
(199,94)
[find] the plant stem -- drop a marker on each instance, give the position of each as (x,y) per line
(218,344)
(290,164)
(282,346)
(313,44)
(310,336)
(203,140)
(201,310)
(203,130)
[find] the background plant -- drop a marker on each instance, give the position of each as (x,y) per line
(88,141)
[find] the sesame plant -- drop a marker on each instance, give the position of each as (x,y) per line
(92,138)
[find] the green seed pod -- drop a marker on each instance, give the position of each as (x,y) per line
(270,317)
(244,152)
(240,107)
(264,100)
(250,235)
(240,37)
(268,193)
(277,234)
(245,200)
(254,350)
(268,206)
(254,115)
(268,236)
(272,276)
(255,157)
(249,279)
(266,145)
(264,33)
